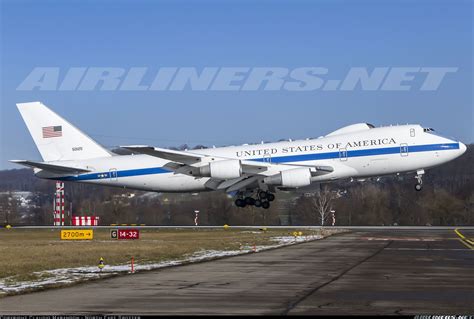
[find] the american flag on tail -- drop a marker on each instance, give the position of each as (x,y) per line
(52,131)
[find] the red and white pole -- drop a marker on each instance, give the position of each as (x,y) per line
(54,210)
(63,208)
(59,207)
(196,217)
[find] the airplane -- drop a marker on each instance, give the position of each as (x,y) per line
(252,173)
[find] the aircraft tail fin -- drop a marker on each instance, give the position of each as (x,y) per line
(56,138)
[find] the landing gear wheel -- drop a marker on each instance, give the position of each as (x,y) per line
(262,195)
(266,205)
(258,203)
(249,201)
(240,202)
(419,179)
(270,197)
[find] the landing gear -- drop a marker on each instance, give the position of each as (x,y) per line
(239,202)
(266,195)
(249,201)
(419,179)
(263,200)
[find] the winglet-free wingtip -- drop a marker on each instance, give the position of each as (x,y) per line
(16,161)
(27,104)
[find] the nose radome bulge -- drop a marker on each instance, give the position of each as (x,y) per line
(462,147)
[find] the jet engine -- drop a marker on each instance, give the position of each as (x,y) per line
(222,169)
(297,177)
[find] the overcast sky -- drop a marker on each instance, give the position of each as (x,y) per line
(336,35)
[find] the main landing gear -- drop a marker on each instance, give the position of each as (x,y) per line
(263,200)
(419,179)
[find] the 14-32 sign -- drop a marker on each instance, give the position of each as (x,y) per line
(125,234)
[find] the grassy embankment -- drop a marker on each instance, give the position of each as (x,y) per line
(24,251)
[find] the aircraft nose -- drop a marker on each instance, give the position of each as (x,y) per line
(462,147)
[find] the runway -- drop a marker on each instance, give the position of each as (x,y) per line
(377,271)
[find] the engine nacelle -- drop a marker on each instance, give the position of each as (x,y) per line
(222,169)
(297,177)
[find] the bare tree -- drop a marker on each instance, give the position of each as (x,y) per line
(4,209)
(9,212)
(322,202)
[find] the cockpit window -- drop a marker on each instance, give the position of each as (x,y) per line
(431,131)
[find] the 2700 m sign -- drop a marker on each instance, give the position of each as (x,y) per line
(125,234)
(77,234)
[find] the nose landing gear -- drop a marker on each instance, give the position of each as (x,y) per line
(419,178)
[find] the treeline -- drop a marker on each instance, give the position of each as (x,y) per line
(446,199)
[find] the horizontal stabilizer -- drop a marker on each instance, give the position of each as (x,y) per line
(58,169)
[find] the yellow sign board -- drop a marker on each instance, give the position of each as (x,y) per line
(77,234)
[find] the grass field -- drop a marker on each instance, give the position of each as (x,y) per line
(25,251)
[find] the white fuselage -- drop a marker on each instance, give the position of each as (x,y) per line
(374,152)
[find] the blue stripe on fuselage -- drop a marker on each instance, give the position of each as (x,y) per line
(109,175)
(279,159)
(358,153)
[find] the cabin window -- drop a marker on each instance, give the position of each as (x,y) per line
(412,132)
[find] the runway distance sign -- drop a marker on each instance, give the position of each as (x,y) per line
(129,234)
(77,234)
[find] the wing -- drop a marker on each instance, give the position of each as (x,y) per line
(184,162)
(174,156)
(190,163)
(58,169)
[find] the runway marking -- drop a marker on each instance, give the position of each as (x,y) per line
(399,239)
(466,244)
(426,249)
(463,239)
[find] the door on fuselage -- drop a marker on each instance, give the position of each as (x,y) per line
(113,175)
(343,154)
(404,149)
(267,158)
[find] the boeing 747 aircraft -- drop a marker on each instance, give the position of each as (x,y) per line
(252,172)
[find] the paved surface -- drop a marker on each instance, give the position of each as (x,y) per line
(362,272)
